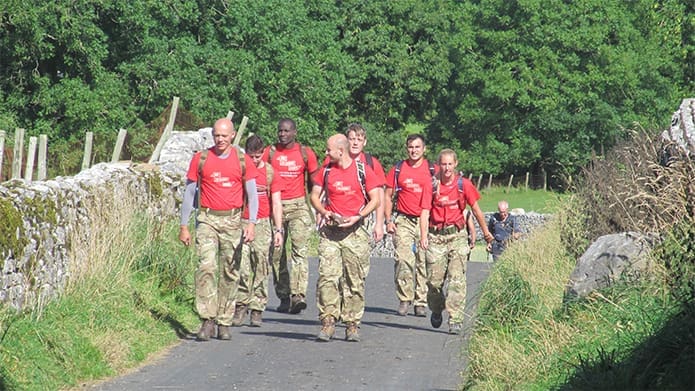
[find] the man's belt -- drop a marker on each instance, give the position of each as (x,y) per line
(448,230)
(294,201)
(215,212)
(412,218)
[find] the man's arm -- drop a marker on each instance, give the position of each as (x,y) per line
(186,209)
(388,210)
(424,225)
(276,200)
(252,203)
(480,217)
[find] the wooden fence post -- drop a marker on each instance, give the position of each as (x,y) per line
(119,145)
(31,156)
(526,182)
(545,180)
(230,115)
(489,181)
(470,176)
(87,158)
(17,153)
(2,150)
(167,130)
(43,155)
(480,180)
(239,132)
(509,184)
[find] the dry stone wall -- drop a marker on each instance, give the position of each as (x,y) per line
(48,226)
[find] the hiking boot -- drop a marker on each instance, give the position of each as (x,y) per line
(223,333)
(420,311)
(239,314)
(436,319)
(284,306)
(455,328)
(207,328)
(327,329)
(256,318)
(297,304)
(352,332)
(403,308)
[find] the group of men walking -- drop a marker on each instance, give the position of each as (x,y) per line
(250,202)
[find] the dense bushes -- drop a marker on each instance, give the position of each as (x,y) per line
(515,86)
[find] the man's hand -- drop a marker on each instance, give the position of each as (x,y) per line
(185,235)
(249,232)
(390,227)
(378,232)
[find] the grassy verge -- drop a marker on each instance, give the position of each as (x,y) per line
(539,201)
(134,299)
(632,336)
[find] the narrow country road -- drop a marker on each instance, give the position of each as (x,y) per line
(396,353)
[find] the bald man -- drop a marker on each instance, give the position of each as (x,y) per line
(220,173)
(352,191)
(504,228)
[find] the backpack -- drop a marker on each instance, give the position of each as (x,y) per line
(201,164)
(397,172)
(361,176)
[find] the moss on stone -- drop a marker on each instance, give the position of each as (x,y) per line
(12,222)
(154,184)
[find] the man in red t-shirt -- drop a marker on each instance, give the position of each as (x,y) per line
(357,138)
(407,221)
(293,162)
(253,266)
(351,191)
(451,238)
(218,173)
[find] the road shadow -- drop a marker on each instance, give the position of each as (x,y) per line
(181,331)
(403,326)
(282,334)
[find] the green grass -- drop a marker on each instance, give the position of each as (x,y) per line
(110,321)
(634,335)
(539,201)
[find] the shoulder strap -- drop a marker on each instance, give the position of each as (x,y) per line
(269,175)
(435,181)
(305,156)
(396,188)
(271,153)
(362,177)
(369,159)
(201,163)
(326,170)
(242,161)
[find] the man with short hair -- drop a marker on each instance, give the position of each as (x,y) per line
(294,163)
(504,227)
(252,294)
(357,138)
(449,243)
(351,190)
(410,182)
(220,174)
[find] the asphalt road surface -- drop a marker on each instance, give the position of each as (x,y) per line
(396,352)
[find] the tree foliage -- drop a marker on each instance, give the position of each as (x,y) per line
(513,85)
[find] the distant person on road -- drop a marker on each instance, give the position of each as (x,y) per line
(408,202)
(451,238)
(294,163)
(253,267)
(351,192)
(504,227)
(220,174)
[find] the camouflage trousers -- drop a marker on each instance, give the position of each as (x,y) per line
(253,268)
(410,273)
(343,262)
(446,258)
(298,224)
(218,243)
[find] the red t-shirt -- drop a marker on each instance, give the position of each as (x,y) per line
(448,203)
(378,169)
(289,164)
(416,188)
(221,184)
(344,189)
(264,200)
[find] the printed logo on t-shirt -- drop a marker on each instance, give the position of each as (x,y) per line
(412,186)
(341,187)
(292,169)
(223,180)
